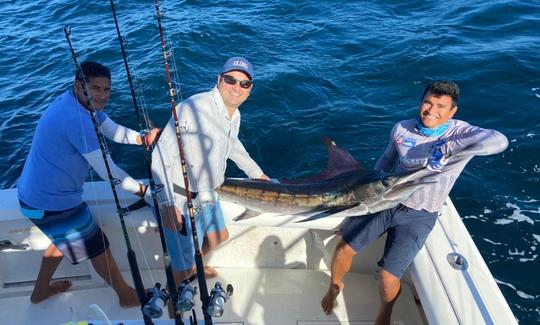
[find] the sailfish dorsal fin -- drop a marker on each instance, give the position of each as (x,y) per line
(339,161)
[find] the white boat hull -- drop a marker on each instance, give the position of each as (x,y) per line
(278,267)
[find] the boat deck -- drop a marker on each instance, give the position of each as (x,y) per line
(279,274)
(261,296)
(278,266)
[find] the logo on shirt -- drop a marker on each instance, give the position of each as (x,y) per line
(412,163)
(406,142)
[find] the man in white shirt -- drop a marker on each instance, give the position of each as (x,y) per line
(209,123)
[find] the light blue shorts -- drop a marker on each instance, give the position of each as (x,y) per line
(209,219)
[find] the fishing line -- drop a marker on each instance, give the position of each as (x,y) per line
(138,206)
(143,106)
(135,273)
(171,283)
(94,197)
(97,206)
(203,289)
(169,54)
(175,71)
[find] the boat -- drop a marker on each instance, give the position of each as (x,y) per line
(278,266)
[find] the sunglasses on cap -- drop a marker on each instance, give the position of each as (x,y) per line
(232,81)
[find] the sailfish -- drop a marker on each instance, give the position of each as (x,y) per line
(344,188)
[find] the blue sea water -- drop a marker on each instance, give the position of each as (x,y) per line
(348,70)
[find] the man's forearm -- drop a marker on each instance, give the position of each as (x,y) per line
(488,142)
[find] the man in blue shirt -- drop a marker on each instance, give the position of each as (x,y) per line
(64,147)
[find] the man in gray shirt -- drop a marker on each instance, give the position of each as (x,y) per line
(433,141)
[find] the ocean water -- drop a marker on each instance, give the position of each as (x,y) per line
(347,70)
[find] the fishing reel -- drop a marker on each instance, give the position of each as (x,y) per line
(186,295)
(156,299)
(216,301)
(218,298)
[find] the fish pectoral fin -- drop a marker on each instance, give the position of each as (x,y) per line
(318,215)
(248,214)
(357,210)
(325,213)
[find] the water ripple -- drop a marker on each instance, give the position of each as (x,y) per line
(347,71)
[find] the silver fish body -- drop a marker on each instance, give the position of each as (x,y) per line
(344,188)
(356,188)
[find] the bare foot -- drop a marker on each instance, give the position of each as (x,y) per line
(210,272)
(130,299)
(328,302)
(53,288)
(170,310)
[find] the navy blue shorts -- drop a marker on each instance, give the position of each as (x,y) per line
(407,231)
(73,231)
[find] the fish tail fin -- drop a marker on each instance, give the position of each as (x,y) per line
(248,214)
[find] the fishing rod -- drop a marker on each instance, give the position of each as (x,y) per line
(135,273)
(171,284)
(203,289)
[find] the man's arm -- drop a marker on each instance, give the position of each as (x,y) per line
(165,163)
(166,171)
(244,161)
(387,160)
(475,141)
(83,137)
(95,159)
(122,134)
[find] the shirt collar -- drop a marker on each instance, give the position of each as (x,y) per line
(218,100)
(432,132)
(76,102)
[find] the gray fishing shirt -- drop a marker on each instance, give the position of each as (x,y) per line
(408,150)
(209,137)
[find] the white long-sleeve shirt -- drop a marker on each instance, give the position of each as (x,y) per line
(118,134)
(209,137)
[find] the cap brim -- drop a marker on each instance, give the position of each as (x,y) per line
(239,70)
